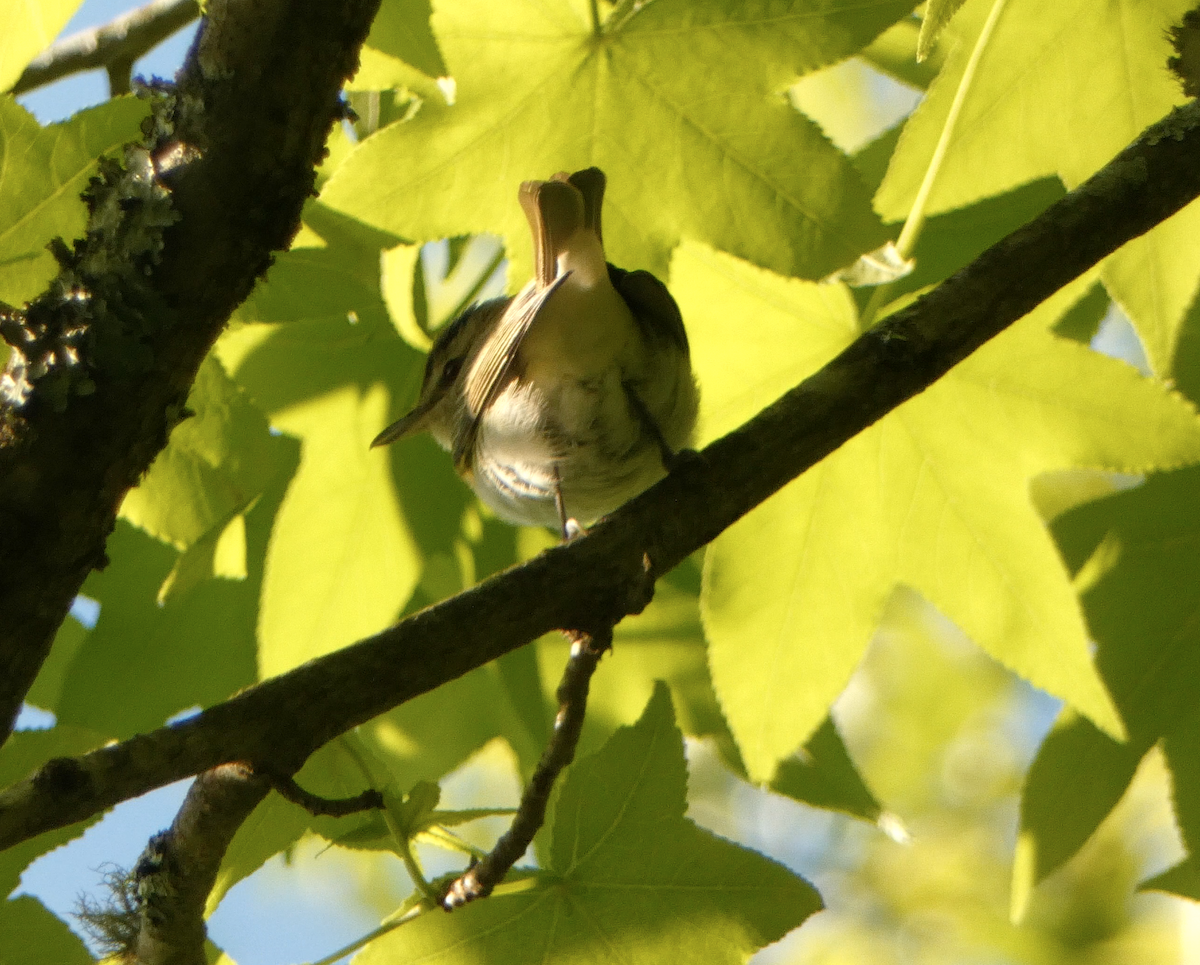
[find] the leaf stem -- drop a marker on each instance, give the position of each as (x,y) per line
(372,935)
(404,846)
(595,18)
(916,215)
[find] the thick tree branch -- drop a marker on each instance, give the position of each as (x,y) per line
(103,361)
(179,867)
(284,719)
(114,46)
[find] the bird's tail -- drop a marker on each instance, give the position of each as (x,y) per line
(558,210)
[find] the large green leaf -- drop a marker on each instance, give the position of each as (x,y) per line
(678,103)
(343,558)
(629,879)
(1138,559)
(27,27)
(666,642)
(935,496)
(42,172)
(1059,90)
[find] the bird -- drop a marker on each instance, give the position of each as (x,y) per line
(563,402)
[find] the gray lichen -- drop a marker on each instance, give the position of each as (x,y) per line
(97,317)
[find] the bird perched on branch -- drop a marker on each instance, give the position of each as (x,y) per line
(566,400)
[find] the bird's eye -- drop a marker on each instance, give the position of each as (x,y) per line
(450,370)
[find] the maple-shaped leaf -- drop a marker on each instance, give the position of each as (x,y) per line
(629,878)
(1057,90)
(680,104)
(666,642)
(1137,556)
(935,496)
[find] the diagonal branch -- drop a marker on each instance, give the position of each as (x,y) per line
(284,719)
(114,45)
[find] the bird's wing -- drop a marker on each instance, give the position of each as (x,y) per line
(652,305)
(493,366)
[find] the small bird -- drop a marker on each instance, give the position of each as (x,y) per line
(565,401)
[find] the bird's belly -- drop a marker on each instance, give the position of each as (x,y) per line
(593,448)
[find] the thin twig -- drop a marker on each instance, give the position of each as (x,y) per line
(113,46)
(482,877)
(322,806)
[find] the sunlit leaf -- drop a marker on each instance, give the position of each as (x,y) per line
(629,878)
(215,464)
(342,559)
(935,497)
(401,30)
(679,105)
(1059,91)
(937,15)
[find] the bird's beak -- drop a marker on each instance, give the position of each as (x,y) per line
(406,425)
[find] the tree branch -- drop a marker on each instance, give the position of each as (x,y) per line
(575,586)
(481,878)
(179,867)
(114,45)
(102,362)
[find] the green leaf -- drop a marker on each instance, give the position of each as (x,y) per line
(937,15)
(29,28)
(215,464)
(28,928)
(195,647)
(629,878)
(42,172)
(1041,105)
(274,826)
(1076,779)
(426,738)
(1135,554)
(401,30)
(342,768)
(1183,879)
(824,776)
(342,561)
(677,103)
(47,688)
(935,496)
